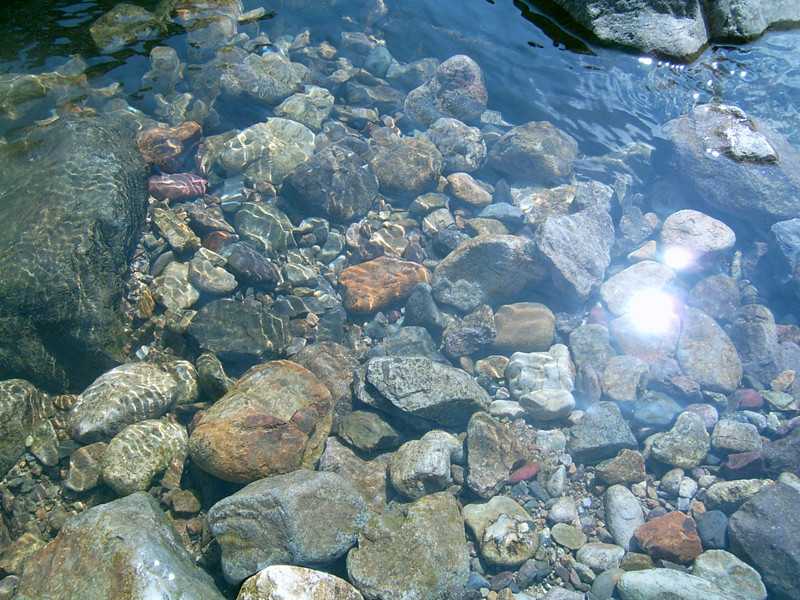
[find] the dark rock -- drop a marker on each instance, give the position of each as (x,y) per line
(421,309)
(744,465)
(409,341)
(716,295)
(249,264)
(762,532)
(20,411)
(68,240)
(241,334)
(143,557)
(784,454)
(406,166)
(752,330)
(333,184)
(470,334)
(712,527)
(601,434)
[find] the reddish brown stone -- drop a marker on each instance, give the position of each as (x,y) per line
(527,471)
(750,399)
(378,283)
(179,186)
(626,467)
(672,537)
(168,147)
(744,465)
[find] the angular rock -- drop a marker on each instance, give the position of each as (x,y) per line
(412,551)
(672,537)
(505,532)
(168,147)
(493,450)
(287,581)
(624,378)
(755,336)
(422,467)
(685,445)
(601,434)
(141,451)
(762,532)
(626,467)
(461,146)
(207,275)
(744,20)
(367,431)
(143,558)
(731,436)
(536,151)
(312,107)
(334,183)
(463,280)
(304,518)
(405,166)
(706,354)
(468,335)
(60,282)
(273,421)
(784,454)
(551,370)
(577,250)
(127,394)
(368,477)
(455,90)
(378,283)
(728,496)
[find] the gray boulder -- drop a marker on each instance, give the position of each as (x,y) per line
(658,584)
(67,241)
(744,20)
(706,354)
(493,450)
(537,151)
(412,551)
(406,166)
(601,434)
(752,330)
(455,90)
(123,550)
(304,518)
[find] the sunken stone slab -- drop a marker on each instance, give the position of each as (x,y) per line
(419,387)
(123,550)
(601,434)
(412,551)
(127,394)
(304,518)
(273,421)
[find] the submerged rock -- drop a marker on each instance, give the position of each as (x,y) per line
(299,583)
(406,166)
(20,411)
(536,151)
(60,280)
(378,283)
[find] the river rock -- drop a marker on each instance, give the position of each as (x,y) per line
(168,147)
(122,25)
(685,445)
(624,379)
(623,514)
(716,295)
(278,582)
(304,518)
(731,436)
(335,366)
(265,226)
(468,335)
(140,452)
(672,537)
(368,431)
(577,250)
(601,434)
(505,531)
(405,166)
(752,331)
(656,584)
(368,477)
(418,387)
(524,327)
(240,334)
(744,20)
(737,164)
(334,183)
(206,273)
(462,186)
(706,354)
(21,409)
(590,346)
(414,551)
(729,574)
(455,90)
(784,454)
(535,151)
(273,421)
(85,467)
(127,394)
(311,107)
(249,264)
(144,558)
(462,279)
(548,405)
(697,239)
(551,370)
(728,496)
(762,532)
(619,291)
(267,78)
(267,151)
(493,450)
(422,467)
(626,467)
(56,274)
(172,288)
(378,283)
(461,146)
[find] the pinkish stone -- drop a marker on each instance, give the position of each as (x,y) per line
(178,186)
(526,471)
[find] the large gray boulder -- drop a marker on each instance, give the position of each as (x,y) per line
(744,20)
(72,203)
(123,550)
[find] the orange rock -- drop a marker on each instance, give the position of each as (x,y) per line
(672,537)
(378,283)
(168,147)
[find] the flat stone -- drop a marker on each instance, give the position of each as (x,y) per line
(626,467)
(464,187)
(172,288)
(175,230)
(548,405)
(730,436)
(706,354)
(273,421)
(600,556)
(404,166)
(264,78)
(85,467)
(288,581)
(265,226)
(623,514)
(524,327)
(685,445)
(378,283)
(728,496)
(551,370)
(672,537)
(729,574)
(655,584)
(311,107)
(601,434)
(368,477)
(754,334)
(624,378)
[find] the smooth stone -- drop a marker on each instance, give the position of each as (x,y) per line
(685,445)
(730,436)
(784,454)
(536,150)
(712,527)
(273,421)
(577,250)
(657,410)
(422,467)
(456,89)
(728,496)
(265,226)
(533,371)
(493,450)
(601,434)
(657,584)
(378,283)
(524,327)
(505,532)
(538,203)
(172,288)
(305,518)
(706,354)
(620,291)
(249,264)
(462,279)
(564,510)
(600,556)
(418,387)
(568,536)
(280,582)
(697,238)
(127,394)
(730,574)
(141,451)
(623,514)
(404,166)
(716,295)
(624,378)
(462,186)
(311,107)
(85,467)
(368,477)
(762,532)
(605,584)
(462,147)
(409,341)
(548,405)
(207,277)
(122,25)
(144,557)
(367,431)
(754,334)
(672,537)
(168,147)
(412,551)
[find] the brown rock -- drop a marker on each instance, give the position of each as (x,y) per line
(168,147)
(375,284)
(524,327)
(274,420)
(743,465)
(85,467)
(626,467)
(672,537)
